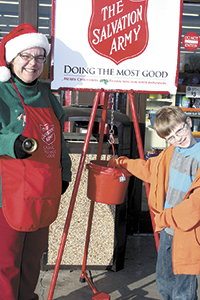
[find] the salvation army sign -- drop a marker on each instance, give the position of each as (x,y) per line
(116,45)
(118,38)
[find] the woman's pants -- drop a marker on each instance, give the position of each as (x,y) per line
(20,255)
(170,286)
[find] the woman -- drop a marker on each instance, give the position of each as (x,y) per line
(31,184)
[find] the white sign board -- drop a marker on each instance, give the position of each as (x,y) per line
(116,45)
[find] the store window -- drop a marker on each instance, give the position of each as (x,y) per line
(190,45)
(9,16)
(44,27)
(44,17)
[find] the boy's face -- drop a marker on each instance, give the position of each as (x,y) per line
(181,136)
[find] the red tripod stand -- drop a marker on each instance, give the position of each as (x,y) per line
(84,277)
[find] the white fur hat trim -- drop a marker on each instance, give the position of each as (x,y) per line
(4,74)
(23,42)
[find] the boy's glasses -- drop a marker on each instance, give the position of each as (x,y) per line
(28,57)
(178,133)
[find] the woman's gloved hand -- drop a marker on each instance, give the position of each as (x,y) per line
(65,185)
(19,151)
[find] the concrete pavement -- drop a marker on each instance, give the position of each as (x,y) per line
(135,281)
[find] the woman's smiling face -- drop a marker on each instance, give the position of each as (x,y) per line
(29,70)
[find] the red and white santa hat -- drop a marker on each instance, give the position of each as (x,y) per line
(23,37)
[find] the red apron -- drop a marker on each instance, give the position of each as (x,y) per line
(31,187)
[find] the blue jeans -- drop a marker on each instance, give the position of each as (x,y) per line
(170,286)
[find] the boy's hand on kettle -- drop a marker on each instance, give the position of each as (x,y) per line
(110,163)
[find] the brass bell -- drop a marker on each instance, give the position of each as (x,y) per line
(30,145)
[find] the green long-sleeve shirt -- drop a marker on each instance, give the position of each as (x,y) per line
(11,108)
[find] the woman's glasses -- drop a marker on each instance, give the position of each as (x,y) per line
(28,57)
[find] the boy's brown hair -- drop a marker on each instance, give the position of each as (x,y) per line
(167,118)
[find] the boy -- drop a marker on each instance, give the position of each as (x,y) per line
(174,197)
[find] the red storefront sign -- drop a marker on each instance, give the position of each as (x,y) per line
(191,41)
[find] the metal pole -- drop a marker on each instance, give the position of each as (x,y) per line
(141,153)
(103,120)
(74,194)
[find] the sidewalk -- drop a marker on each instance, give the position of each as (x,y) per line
(135,281)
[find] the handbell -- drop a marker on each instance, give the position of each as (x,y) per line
(30,145)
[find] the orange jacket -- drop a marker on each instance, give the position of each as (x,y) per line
(184,217)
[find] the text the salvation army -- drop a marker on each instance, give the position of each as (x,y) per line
(117,26)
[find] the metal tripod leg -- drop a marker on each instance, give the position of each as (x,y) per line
(73,199)
(97,295)
(141,153)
